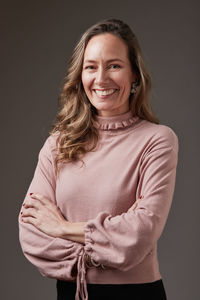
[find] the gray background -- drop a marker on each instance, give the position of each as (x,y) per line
(36,42)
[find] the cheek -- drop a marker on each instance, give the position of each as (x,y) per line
(125,86)
(86,81)
(122,80)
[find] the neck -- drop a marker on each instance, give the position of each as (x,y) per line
(112,113)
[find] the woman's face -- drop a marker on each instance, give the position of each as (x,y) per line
(107,74)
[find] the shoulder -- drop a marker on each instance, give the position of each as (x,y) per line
(158,134)
(50,147)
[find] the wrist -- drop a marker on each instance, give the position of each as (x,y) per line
(65,229)
(73,231)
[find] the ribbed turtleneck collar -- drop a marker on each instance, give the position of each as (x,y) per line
(116,122)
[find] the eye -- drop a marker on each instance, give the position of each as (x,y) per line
(115,66)
(90,67)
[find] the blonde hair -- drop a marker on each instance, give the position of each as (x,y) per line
(75,121)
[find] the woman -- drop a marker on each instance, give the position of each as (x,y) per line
(105,177)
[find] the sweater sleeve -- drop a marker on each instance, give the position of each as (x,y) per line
(54,257)
(123,241)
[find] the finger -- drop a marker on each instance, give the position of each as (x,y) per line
(29,220)
(32,203)
(44,200)
(135,205)
(29,212)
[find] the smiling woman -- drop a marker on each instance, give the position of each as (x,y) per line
(107,74)
(105,177)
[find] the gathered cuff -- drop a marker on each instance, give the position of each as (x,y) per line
(88,238)
(91,259)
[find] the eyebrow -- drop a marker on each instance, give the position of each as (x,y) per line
(109,61)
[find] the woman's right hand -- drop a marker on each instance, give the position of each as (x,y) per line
(44,215)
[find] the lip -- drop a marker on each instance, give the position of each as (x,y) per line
(105,96)
(105,89)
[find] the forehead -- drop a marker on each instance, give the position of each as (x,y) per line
(106,46)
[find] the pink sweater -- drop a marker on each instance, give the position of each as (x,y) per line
(135,162)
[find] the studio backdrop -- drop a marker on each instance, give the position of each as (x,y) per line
(37,39)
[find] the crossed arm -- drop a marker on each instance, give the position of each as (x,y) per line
(53,243)
(47,217)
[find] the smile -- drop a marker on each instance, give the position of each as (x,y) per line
(105,92)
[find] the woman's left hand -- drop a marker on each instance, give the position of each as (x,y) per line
(44,215)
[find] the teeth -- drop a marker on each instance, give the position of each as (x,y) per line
(105,92)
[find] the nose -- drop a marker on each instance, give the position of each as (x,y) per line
(101,76)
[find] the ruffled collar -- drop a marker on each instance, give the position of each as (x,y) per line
(116,122)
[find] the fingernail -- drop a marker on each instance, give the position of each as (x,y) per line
(23,204)
(31,193)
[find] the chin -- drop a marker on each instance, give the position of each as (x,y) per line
(102,105)
(104,108)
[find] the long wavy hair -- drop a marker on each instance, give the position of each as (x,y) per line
(75,121)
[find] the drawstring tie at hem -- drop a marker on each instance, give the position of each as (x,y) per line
(81,290)
(84,262)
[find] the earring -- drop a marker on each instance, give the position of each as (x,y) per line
(133,87)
